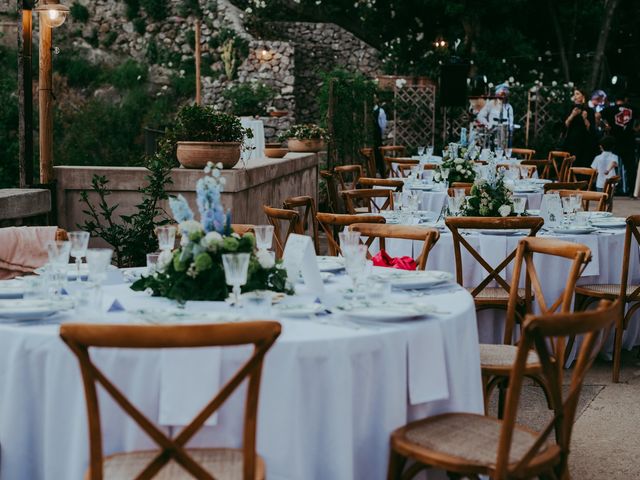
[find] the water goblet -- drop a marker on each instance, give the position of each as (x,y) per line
(166,237)
(445,176)
(152,263)
(79,243)
(98,260)
(508,152)
(567,209)
(429,151)
(524,172)
(421,151)
(58,253)
(348,239)
(519,204)
(236,266)
(264,236)
(454,206)
(459,193)
(397,201)
(355,262)
(576,202)
(499,153)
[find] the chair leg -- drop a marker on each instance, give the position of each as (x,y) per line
(617,352)
(396,465)
(502,396)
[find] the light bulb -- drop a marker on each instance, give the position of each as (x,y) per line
(53,15)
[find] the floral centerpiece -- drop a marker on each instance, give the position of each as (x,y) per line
(307,137)
(194,271)
(459,163)
(488,198)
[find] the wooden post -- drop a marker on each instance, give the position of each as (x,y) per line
(330,114)
(526,132)
(197,58)
(25,95)
(46,110)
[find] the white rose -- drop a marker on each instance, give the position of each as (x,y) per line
(211,241)
(458,167)
(458,160)
(436,177)
(266,259)
(164,260)
(190,226)
(504,210)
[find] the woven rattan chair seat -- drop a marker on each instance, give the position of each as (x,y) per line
(495,293)
(504,356)
(471,439)
(223,464)
(609,290)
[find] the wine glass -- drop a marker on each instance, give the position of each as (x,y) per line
(98,260)
(429,151)
(166,237)
(355,261)
(58,253)
(348,239)
(79,243)
(152,263)
(236,266)
(445,176)
(397,201)
(454,206)
(508,152)
(421,151)
(264,236)
(499,153)
(519,204)
(576,202)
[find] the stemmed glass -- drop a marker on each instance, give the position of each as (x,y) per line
(507,152)
(421,151)
(454,204)
(348,239)
(397,201)
(166,237)
(58,253)
(429,151)
(445,177)
(519,204)
(79,243)
(98,260)
(236,266)
(264,236)
(355,262)
(576,202)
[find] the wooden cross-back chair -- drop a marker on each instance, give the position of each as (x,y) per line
(307,215)
(348,176)
(201,463)
(469,445)
(335,204)
(368,160)
(588,175)
(565,186)
(486,297)
(598,198)
(330,223)
(529,170)
(451,191)
(523,153)
(565,168)
(551,169)
(392,151)
(368,200)
(626,292)
(293,224)
(610,186)
(428,237)
(541,165)
(496,360)
(430,166)
(395,184)
(395,167)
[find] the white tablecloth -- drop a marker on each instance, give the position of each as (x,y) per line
(329,399)
(254,146)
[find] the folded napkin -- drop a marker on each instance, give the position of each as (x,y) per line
(382,259)
(23,249)
(427,368)
(189,379)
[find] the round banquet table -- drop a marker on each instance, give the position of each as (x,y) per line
(605,267)
(331,393)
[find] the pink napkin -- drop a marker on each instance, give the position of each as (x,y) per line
(382,259)
(23,249)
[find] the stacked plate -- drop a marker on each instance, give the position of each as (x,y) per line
(574,230)
(12,288)
(421,186)
(32,309)
(330,264)
(411,279)
(503,232)
(609,222)
(387,312)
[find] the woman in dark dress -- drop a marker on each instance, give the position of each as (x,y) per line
(580,137)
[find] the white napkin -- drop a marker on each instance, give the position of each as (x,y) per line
(427,368)
(189,379)
(493,248)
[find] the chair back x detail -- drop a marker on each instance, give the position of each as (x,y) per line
(80,337)
(368,200)
(308,217)
(291,218)
(332,222)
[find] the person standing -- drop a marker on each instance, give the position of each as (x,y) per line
(379,129)
(620,120)
(579,127)
(498,112)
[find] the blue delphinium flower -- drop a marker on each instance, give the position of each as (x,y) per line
(209,200)
(180,209)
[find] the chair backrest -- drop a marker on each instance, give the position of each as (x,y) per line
(455,224)
(542,166)
(308,217)
(552,160)
(429,237)
(61,235)
(632,237)
(528,249)
(599,198)
(79,337)
(292,221)
(451,191)
(331,222)
(392,151)
(565,186)
(396,167)
(577,174)
(371,199)
(565,167)
(523,153)
(395,184)
(335,204)
(529,170)
(541,332)
(242,228)
(610,186)
(348,176)
(369,160)
(430,166)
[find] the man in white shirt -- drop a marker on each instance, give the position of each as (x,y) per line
(497,111)
(605,163)
(379,128)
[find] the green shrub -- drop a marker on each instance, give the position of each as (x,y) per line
(79,71)
(127,75)
(190,7)
(8,118)
(156,9)
(133,9)
(249,98)
(152,54)
(109,38)
(139,25)
(79,12)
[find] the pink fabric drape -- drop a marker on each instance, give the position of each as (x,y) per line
(23,249)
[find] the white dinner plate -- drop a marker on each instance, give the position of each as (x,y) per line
(541,181)
(32,309)
(162,316)
(330,264)
(421,186)
(574,230)
(11,288)
(610,222)
(389,313)
(526,189)
(599,215)
(502,232)
(534,213)
(293,309)
(409,279)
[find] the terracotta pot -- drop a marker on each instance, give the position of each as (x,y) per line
(278,113)
(278,152)
(312,145)
(197,154)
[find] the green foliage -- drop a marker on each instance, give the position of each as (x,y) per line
(307,131)
(152,54)
(79,71)
(184,85)
(8,118)
(79,12)
(352,120)
(133,9)
(131,236)
(139,25)
(249,99)
(109,38)
(486,199)
(127,75)
(196,123)
(157,10)
(190,7)
(233,50)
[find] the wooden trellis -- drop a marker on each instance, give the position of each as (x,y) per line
(414,116)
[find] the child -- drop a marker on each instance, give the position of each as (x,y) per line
(605,163)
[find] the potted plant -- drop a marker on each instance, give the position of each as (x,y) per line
(204,135)
(305,138)
(249,99)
